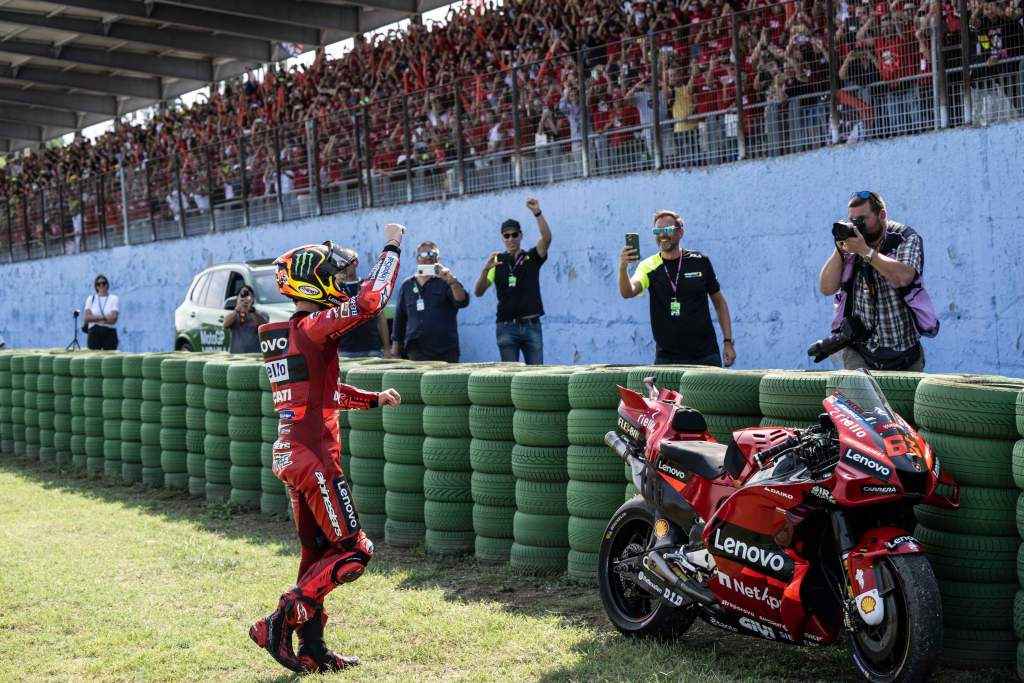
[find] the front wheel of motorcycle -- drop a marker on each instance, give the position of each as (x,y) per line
(631,607)
(906,645)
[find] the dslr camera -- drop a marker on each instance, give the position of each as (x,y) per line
(843,230)
(851,331)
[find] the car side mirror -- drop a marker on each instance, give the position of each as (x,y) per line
(230,302)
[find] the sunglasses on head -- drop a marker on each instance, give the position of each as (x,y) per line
(667,230)
(863,195)
(509,235)
(432,253)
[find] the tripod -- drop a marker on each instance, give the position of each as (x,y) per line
(74,345)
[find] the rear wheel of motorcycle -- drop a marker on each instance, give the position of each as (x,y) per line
(906,645)
(633,610)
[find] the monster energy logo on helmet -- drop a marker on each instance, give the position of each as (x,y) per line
(302,264)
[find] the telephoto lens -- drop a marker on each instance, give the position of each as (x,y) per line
(852,330)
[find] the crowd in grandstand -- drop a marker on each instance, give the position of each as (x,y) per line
(250,136)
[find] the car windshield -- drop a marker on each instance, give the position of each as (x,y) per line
(265,283)
(859,393)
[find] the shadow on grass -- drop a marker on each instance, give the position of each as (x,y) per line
(704,653)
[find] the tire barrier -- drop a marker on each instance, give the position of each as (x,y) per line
(971,425)
(508,462)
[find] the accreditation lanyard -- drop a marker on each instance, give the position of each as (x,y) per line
(420,305)
(673,306)
(512,269)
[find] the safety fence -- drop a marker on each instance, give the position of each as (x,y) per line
(747,85)
(507,463)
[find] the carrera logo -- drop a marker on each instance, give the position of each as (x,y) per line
(773,563)
(309,290)
(671,471)
(823,493)
(277,370)
(753,592)
(780,494)
(879,490)
(282,395)
(867,464)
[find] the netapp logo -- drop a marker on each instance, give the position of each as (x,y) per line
(867,464)
(671,471)
(759,594)
(777,563)
(879,490)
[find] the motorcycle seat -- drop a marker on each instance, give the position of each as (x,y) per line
(704,458)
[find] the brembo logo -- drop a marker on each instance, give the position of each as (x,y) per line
(759,594)
(775,563)
(869,465)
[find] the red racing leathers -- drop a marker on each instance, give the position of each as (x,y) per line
(301,359)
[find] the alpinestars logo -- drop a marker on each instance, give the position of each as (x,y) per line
(331,514)
(772,562)
(302,264)
(382,278)
(867,464)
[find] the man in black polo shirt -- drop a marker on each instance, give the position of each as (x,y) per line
(425,316)
(516,278)
(364,340)
(680,282)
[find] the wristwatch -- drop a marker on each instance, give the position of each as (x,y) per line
(870,255)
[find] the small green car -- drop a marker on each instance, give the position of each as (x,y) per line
(199,320)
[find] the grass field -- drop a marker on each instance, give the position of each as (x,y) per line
(105,582)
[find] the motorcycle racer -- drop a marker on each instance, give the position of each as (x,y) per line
(301,359)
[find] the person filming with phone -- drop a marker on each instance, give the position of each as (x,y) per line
(874,274)
(100,316)
(243,323)
(425,326)
(680,282)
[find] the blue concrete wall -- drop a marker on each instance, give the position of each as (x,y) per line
(765,225)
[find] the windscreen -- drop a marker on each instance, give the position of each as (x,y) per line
(862,398)
(266,287)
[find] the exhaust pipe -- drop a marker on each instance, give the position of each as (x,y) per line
(623,450)
(617,444)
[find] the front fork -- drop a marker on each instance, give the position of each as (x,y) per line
(860,581)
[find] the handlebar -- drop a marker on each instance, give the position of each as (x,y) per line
(764,457)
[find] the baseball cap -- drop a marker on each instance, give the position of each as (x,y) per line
(511,223)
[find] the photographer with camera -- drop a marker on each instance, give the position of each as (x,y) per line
(881,307)
(100,316)
(425,325)
(244,323)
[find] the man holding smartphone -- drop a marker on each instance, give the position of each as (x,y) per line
(680,282)
(425,326)
(516,278)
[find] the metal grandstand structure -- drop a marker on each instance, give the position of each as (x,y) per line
(68,65)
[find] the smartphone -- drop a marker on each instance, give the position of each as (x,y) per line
(633,241)
(427,269)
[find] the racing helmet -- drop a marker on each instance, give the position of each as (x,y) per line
(307,273)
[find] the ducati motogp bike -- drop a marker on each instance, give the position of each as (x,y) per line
(792,535)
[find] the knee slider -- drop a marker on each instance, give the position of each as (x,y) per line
(358,550)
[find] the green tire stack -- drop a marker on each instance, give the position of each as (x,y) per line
(540,527)
(447,475)
(95,443)
(273,495)
(728,399)
(29,398)
(493,486)
(131,417)
(151,452)
(78,400)
(44,406)
(173,427)
(245,432)
(216,444)
(594,492)
(18,403)
(792,399)
(971,425)
(61,408)
(6,404)
(366,451)
(112,388)
(665,376)
(1018,478)
(403,460)
(195,424)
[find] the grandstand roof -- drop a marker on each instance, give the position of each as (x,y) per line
(68,65)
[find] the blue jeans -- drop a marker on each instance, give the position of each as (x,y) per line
(664,358)
(524,335)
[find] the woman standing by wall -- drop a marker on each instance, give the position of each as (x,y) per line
(101,311)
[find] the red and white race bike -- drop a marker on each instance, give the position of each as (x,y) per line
(783,534)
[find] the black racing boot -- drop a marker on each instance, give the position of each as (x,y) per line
(312,646)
